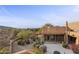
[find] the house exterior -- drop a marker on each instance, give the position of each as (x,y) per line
(53,33)
(75,34)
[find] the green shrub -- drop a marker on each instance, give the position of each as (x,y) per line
(23,37)
(4,50)
(44,48)
(64,45)
(37,50)
(21,42)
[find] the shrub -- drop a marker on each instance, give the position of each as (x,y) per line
(4,50)
(44,48)
(37,50)
(76,50)
(64,45)
(27,41)
(23,37)
(21,42)
(56,52)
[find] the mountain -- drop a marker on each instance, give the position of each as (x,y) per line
(5,27)
(74,25)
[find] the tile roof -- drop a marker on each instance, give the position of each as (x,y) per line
(55,30)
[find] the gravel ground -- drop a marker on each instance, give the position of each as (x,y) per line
(17,48)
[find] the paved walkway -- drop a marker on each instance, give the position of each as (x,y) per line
(57,47)
(51,47)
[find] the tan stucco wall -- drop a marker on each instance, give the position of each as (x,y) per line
(75,34)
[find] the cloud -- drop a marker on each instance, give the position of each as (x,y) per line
(19,22)
(58,19)
(4,11)
(8,19)
(14,21)
(55,19)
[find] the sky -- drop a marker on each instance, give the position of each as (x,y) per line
(34,16)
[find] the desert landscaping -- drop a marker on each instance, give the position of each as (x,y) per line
(34,41)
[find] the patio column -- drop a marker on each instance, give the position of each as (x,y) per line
(66,34)
(55,38)
(11,46)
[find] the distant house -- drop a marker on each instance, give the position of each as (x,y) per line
(53,33)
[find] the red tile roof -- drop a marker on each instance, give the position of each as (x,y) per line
(55,30)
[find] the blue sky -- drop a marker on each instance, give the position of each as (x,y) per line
(31,16)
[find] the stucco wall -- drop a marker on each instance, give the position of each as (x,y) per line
(75,34)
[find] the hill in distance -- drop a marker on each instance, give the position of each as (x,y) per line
(5,27)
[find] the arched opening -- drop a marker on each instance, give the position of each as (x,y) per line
(71,40)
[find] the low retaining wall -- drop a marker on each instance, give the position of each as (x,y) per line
(24,52)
